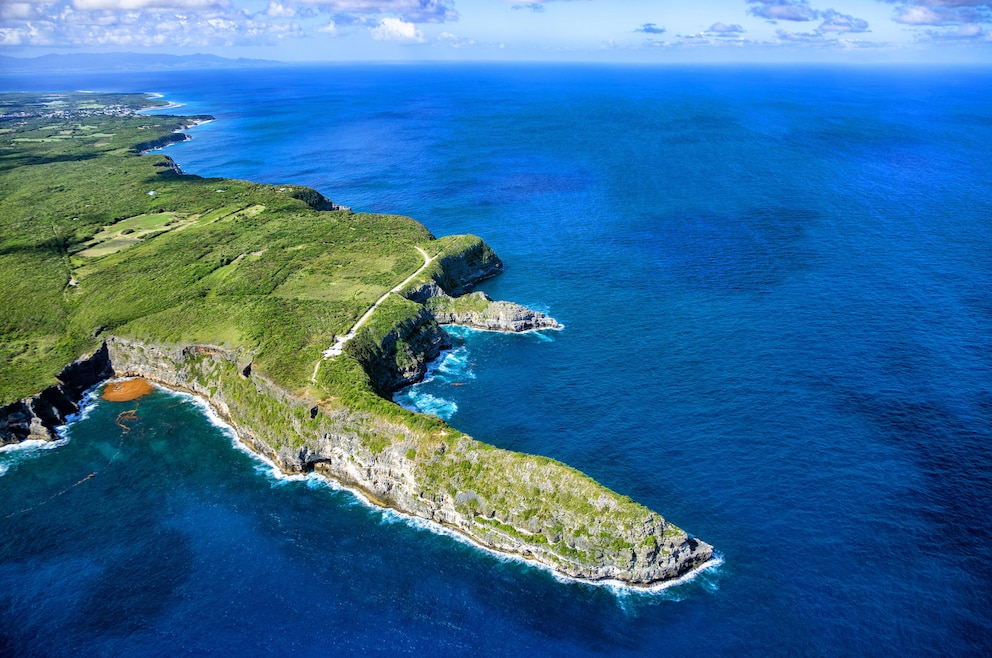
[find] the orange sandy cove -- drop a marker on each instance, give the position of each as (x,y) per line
(126,390)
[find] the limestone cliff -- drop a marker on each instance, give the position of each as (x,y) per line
(37,417)
(478,310)
(399,356)
(529,506)
(464,262)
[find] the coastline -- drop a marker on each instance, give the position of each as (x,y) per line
(532,508)
(217,417)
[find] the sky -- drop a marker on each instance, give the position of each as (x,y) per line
(868,31)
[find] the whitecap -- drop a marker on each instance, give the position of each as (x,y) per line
(87,403)
(461,331)
(455,365)
(17,452)
(622,589)
(14,454)
(425,403)
(32,445)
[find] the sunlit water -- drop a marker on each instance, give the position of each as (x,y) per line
(777,292)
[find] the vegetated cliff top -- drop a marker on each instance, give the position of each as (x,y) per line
(97,239)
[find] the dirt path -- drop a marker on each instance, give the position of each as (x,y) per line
(338,346)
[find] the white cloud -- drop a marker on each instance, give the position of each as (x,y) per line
(331,28)
(921,16)
(942,12)
(967,33)
(834,21)
(394,29)
(277,10)
(724,30)
(19,11)
(112,5)
(456,41)
(413,11)
(151,27)
(782,10)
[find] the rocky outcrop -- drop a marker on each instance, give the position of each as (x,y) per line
(528,506)
(399,357)
(37,417)
(463,263)
(532,507)
(171,138)
(313,198)
(168,164)
(479,311)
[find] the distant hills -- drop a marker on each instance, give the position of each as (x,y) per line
(100,62)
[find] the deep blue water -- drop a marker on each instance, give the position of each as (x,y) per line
(777,291)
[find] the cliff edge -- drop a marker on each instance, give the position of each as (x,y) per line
(233,290)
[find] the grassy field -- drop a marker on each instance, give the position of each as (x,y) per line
(96,238)
(99,241)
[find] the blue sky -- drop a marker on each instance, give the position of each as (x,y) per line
(511,30)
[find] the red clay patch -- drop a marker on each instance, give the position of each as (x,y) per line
(127,390)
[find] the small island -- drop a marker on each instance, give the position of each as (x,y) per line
(293,316)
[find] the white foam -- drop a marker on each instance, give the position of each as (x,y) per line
(452,366)
(456,365)
(389,515)
(32,445)
(463,331)
(16,453)
(161,108)
(432,404)
(263,465)
(413,400)
(616,587)
(86,405)
(622,589)
(29,449)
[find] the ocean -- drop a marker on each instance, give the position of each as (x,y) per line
(776,286)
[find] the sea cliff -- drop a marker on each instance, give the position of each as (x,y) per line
(532,507)
(528,506)
(296,319)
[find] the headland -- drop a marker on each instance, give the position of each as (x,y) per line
(234,291)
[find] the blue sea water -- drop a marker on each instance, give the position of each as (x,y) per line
(777,291)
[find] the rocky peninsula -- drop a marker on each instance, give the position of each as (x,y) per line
(235,298)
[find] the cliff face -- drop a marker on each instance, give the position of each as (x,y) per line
(478,310)
(464,263)
(399,357)
(37,417)
(529,506)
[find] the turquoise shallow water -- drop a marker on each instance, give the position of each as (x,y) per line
(775,285)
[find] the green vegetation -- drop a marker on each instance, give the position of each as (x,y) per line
(87,250)
(79,102)
(234,289)
(472,303)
